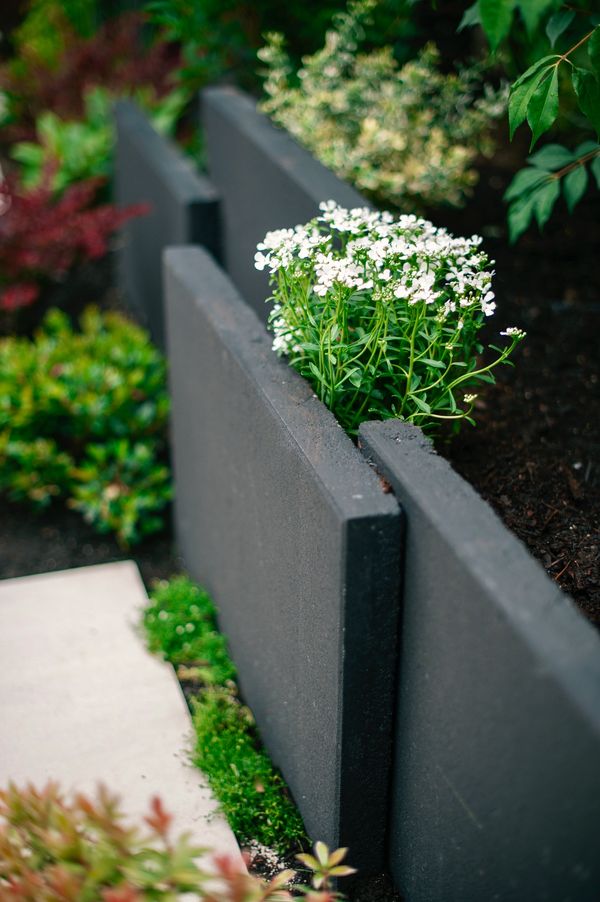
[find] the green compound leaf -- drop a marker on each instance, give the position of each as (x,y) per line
(587,89)
(551,157)
(524,182)
(545,198)
(594,51)
(586,147)
(496,19)
(543,106)
(595,168)
(574,185)
(523,90)
(532,11)
(558,24)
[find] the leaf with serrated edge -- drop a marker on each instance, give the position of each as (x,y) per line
(496,19)
(574,185)
(543,107)
(520,97)
(545,199)
(558,23)
(588,95)
(551,156)
(539,64)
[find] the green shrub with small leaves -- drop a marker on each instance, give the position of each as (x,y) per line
(180,625)
(81,849)
(83,417)
(406,135)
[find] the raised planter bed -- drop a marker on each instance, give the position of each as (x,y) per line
(290,530)
(183,209)
(265,181)
(497,731)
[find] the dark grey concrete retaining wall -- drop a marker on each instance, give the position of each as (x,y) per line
(183,209)
(497,772)
(282,519)
(266,180)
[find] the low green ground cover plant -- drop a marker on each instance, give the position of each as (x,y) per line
(80,849)
(180,625)
(405,135)
(83,418)
(382,315)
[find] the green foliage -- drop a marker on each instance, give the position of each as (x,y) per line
(559,89)
(80,849)
(251,793)
(382,316)
(534,190)
(221,36)
(180,624)
(73,150)
(82,417)
(407,135)
(45,30)
(121,487)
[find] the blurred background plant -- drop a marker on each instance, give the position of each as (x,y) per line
(83,417)
(405,135)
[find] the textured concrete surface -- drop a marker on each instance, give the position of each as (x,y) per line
(81,701)
(183,209)
(281,518)
(265,180)
(496,776)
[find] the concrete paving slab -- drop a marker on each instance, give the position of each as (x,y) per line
(82,701)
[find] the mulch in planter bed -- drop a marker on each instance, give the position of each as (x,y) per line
(535,453)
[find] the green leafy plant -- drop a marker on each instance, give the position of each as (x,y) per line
(74,849)
(559,89)
(81,149)
(122,487)
(382,316)
(250,791)
(82,417)
(180,625)
(407,135)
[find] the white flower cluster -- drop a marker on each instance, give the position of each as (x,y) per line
(403,261)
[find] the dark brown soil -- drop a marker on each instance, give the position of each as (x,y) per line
(58,539)
(535,453)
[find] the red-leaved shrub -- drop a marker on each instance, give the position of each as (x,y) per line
(43,236)
(115,58)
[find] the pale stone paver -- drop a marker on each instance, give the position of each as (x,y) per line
(82,701)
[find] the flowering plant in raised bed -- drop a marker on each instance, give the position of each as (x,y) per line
(382,315)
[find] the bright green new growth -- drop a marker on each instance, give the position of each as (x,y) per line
(406,135)
(180,625)
(83,417)
(252,794)
(76,150)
